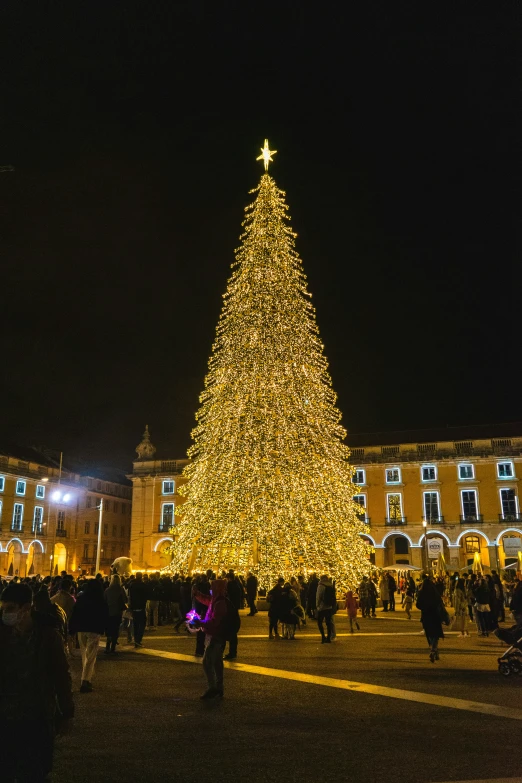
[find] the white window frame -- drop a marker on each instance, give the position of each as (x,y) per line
(429,467)
(388,495)
(163,511)
(0,512)
(20,481)
(40,491)
(477,506)
(40,525)
(363,472)
(506,462)
(2,483)
(399,481)
(15,507)
(505,489)
(168,481)
(466,465)
(364,503)
(430,492)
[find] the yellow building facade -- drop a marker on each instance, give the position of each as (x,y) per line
(423,496)
(49,517)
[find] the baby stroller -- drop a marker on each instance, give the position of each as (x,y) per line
(511,661)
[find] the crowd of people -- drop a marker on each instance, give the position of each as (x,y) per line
(44,620)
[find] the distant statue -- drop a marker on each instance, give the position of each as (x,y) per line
(145,449)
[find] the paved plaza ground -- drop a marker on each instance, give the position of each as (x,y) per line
(368,707)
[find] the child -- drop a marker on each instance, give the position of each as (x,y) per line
(351,609)
(409,596)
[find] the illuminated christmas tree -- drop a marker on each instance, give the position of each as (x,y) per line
(269,483)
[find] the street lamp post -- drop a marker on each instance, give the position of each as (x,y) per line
(98,551)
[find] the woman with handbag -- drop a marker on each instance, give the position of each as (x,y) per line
(116,601)
(433,614)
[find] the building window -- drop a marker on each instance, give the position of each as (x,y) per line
(393,475)
(61,520)
(361,500)
(466,472)
(123,507)
(2,483)
(168,487)
(96,528)
(116,507)
(38,519)
(88,501)
(431,507)
(394,503)
(87,528)
(167,516)
(86,551)
(106,505)
(40,491)
(0,513)
(469,505)
(106,529)
(122,531)
(429,473)
(472,545)
(98,486)
(505,470)
(18,515)
(508,502)
(114,531)
(20,487)
(359,476)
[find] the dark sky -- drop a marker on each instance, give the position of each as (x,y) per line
(133,129)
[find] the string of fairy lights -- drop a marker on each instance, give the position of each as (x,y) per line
(269,485)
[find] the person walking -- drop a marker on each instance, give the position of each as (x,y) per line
(215,627)
(202,585)
(351,609)
(88,621)
(433,613)
(251,593)
(274,608)
(482,605)
(516,603)
(372,589)
(66,601)
(116,603)
(325,601)
(36,700)
(384,592)
(153,602)
(409,595)
(138,605)
(460,602)
(311,599)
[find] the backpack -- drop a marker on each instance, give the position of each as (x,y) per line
(232,620)
(329,596)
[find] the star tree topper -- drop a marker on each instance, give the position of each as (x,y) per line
(266,154)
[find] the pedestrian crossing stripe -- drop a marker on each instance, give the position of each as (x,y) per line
(435,700)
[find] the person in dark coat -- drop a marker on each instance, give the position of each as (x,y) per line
(433,612)
(137,605)
(251,593)
(311,600)
(274,609)
(88,620)
(201,586)
(235,596)
(35,688)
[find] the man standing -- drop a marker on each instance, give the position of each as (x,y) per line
(138,605)
(251,591)
(65,600)
(392,589)
(274,608)
(326,599)
(35,688)
(215,627)
(235,595)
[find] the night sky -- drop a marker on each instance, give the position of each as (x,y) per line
(133,129)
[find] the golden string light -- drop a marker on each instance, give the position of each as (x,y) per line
(269,486)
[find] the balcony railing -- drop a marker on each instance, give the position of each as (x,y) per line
(363,518)
(395,521)
(162,528)
(16,528)
(434,520)
(504,518)
(61,533)
(471,519)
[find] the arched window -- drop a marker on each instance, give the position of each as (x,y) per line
(472,544)
(401,546)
